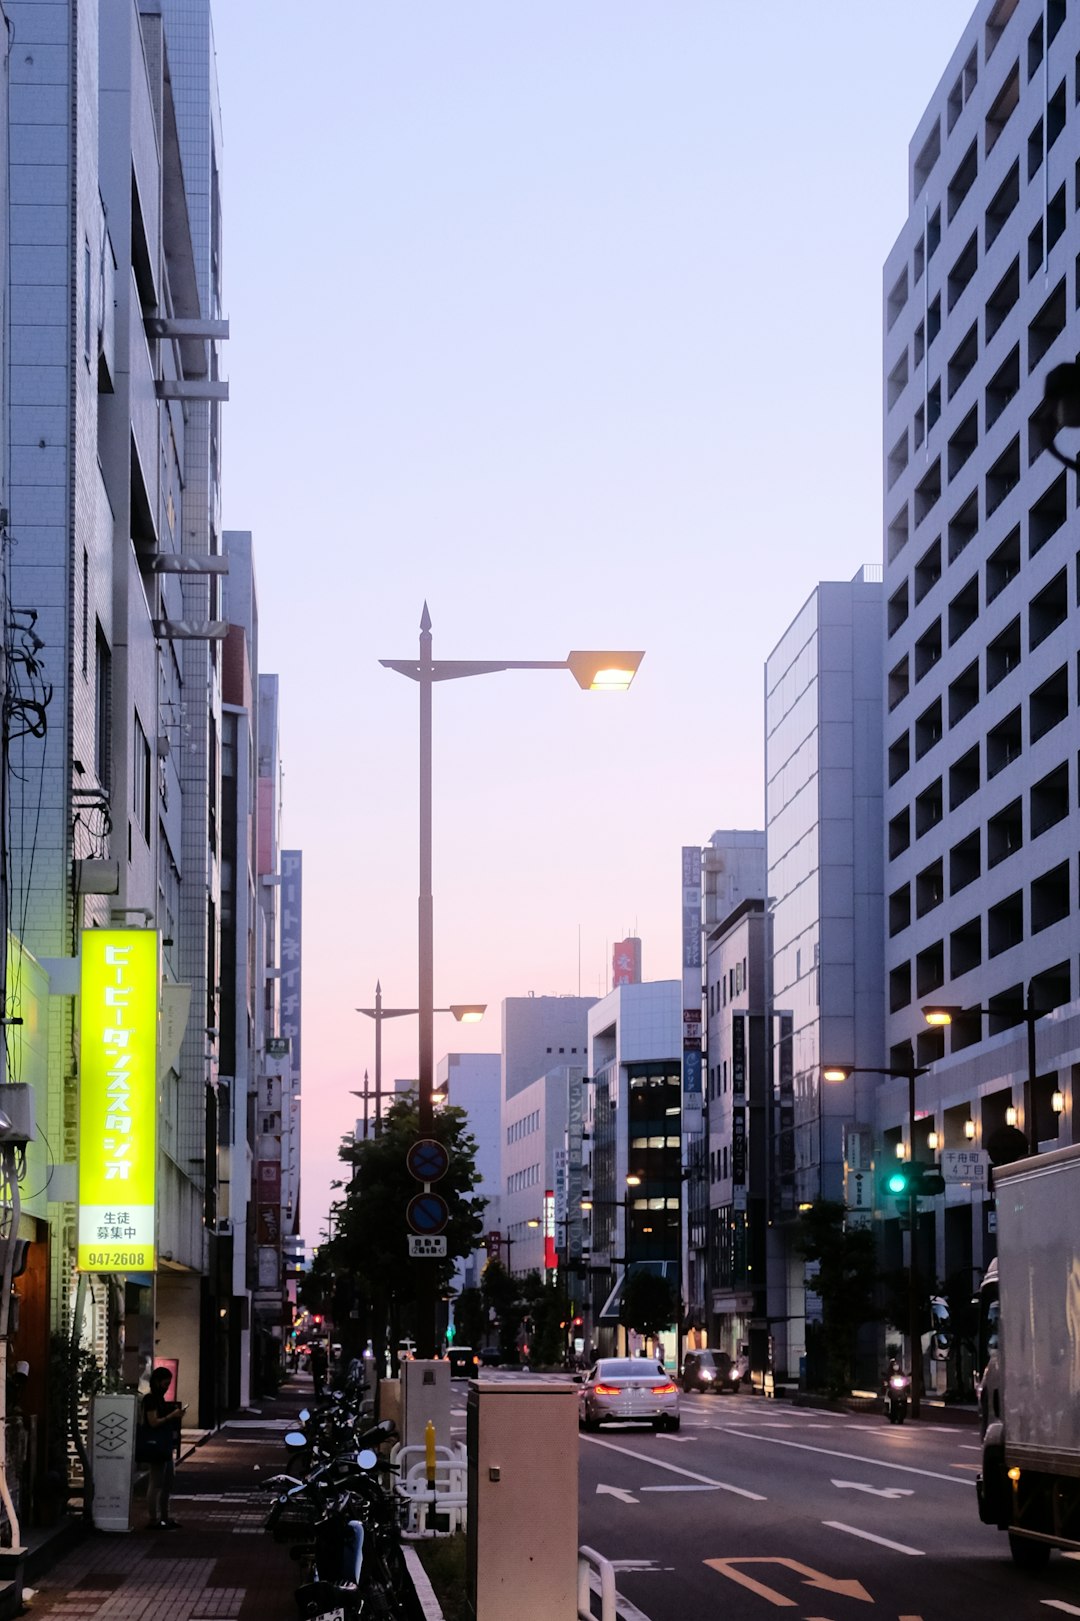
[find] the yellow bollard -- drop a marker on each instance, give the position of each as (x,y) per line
(429,1453)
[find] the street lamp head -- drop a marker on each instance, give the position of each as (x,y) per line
(604,672)
(468,1012)
(938,1016)
(585,1204)
(835,1072)
(1060,407)
(533,1221)
(633,1180)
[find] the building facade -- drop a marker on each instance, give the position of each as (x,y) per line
(633,1161)
(823,818)
(983,625)
(471,1081)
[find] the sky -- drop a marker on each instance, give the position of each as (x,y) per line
(563,316)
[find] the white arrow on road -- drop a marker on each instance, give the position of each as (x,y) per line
(875,1491)
(617,1491)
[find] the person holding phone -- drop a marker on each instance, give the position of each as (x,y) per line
(158,1412)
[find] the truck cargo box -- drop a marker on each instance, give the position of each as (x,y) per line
(1038,1216)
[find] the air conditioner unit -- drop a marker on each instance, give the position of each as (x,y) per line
(17,1103)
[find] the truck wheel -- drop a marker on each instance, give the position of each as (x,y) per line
(1028,1555)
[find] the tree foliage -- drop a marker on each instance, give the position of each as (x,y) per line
(470,1318)
(502,1294)
(846,1283)
(368,1257)
(647,1303)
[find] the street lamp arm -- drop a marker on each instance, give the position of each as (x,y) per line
(391,1012)
(457,669)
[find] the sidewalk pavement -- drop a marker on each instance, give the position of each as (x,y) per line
(220,1565)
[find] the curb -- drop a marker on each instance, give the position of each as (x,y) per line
(424,1590)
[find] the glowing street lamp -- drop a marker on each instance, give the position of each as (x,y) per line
(463,1012)
(593,671)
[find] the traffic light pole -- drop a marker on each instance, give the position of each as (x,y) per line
(913,1289)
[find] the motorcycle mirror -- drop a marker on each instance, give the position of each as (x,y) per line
(367,1459)
(295,1438)
(304,1415)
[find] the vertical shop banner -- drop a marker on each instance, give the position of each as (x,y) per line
(551,1259)
(118,1044)
(738,1054)
(626,962)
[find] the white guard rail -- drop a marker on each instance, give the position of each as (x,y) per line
(589,1563)
(451,1485)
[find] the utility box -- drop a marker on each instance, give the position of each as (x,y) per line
(522,1538)
(425,1394)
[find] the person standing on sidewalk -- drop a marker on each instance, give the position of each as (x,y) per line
(319,1364)
(161,1415)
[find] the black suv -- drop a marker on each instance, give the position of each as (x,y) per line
(709,1370)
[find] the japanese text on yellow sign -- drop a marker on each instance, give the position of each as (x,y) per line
(118,1100)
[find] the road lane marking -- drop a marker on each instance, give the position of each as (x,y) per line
(811,1578)
(966,1446)
(617,1491)
(875,1491)
(975,1466)
(658,1463)
(623,1607)
(1060,1604)
(852,1457)
(868,1536)
(691,1488)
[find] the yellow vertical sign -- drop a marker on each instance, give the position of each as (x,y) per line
(118,1099)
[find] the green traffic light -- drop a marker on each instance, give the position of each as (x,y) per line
(897,1182)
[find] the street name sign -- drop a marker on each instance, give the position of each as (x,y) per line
(965,1165)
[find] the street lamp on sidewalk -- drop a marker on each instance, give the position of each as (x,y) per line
(464,1013)
(939,1015)
(594,671)
(909,1073)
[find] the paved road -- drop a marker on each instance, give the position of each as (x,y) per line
(756,1507)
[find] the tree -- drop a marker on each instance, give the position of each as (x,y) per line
(647,1303)
(470,1318)
(846,1281)
(370,1246)
(502,1295)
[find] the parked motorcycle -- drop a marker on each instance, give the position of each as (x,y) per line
(343,1521)
(896,1397)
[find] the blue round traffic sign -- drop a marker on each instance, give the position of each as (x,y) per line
(427,1160)
(427,1213)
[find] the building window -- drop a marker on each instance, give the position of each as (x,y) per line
(141,779)
(103,711)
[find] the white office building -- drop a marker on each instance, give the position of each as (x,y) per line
(983,625)
(470,1081)
(823,843)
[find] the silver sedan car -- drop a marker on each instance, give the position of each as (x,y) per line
(628,1389)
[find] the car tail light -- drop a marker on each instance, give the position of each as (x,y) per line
(610,1390)
(476,1361)
(663,1390)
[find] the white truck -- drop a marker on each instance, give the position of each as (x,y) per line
(1029,1395)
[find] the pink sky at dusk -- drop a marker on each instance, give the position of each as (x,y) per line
(566,318)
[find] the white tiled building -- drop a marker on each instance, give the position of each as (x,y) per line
(114,434)
(983,624)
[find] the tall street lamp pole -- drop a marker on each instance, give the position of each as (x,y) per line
(464,1013)
(611,672)
(908,1073)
